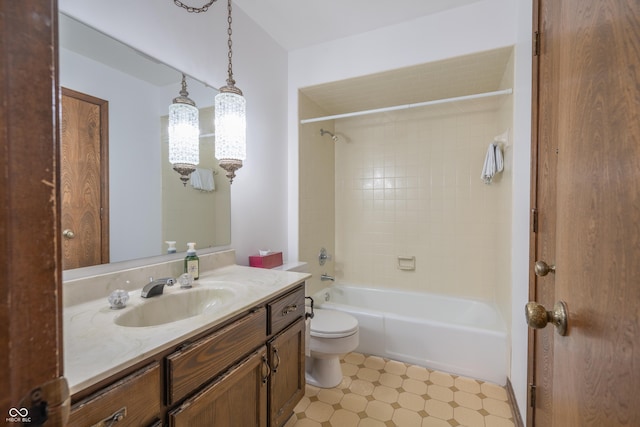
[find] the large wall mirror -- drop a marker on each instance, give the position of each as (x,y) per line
(147,203)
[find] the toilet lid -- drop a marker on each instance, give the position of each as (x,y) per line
(332,324)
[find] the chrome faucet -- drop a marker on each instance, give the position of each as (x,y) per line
(155,287)
(326,277)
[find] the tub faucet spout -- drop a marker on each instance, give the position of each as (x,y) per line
(326,277)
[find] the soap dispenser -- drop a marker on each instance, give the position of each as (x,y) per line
(192,262)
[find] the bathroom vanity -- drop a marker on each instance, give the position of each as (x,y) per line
(241,363)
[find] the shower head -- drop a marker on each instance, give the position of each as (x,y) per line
(333,136)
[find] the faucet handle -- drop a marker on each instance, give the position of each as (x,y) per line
(323,256)
(118,299)
(186,281)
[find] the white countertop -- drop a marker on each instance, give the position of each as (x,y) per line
(96,348)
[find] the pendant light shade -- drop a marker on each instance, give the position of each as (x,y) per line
(230,119)
(184,134)
(231,133)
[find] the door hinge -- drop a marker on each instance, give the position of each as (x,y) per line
(536,43)
(534,220)
(532,395)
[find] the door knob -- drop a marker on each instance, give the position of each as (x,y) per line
(538,317)
(542,268)
(68,234)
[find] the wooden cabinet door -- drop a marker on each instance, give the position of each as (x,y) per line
(238,398)
(286,356)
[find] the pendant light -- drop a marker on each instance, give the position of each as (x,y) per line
(230,120)
(184,134)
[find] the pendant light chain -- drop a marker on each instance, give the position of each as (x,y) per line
(230,119)
(194,9)
(230,81)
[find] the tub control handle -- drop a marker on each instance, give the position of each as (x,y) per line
(324,256)
(289,309)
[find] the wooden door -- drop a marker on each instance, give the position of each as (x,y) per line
(287,372)
(588,199)
(238,398)
(84,180)
(30,271)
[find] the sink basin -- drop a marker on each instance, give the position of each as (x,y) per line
(175,306)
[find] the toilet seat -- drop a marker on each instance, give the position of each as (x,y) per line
(332,324)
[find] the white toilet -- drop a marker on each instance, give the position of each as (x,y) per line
(332,333)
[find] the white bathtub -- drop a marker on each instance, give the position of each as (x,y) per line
(456,335)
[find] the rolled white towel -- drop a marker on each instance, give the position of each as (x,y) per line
(489,169)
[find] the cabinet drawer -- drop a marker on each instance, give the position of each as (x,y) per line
(286,309)
(138,395)
(197,364)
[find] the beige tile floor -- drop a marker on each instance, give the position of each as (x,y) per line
(382,392)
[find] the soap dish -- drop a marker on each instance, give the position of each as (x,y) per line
(118,299)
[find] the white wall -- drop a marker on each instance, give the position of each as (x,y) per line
(197,45)
(521,201)
(481,26)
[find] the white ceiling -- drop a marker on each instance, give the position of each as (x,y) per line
(461,76)
(299,23)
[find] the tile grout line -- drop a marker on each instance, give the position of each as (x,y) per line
(384,392)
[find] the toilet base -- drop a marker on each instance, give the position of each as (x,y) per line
(323,372)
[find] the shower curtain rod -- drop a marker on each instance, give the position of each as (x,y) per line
(407,106)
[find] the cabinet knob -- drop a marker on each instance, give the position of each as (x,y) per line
(542,268)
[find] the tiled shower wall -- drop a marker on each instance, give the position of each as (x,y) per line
(407,184)
(317,198)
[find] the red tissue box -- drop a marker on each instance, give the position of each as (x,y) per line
(266,261)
